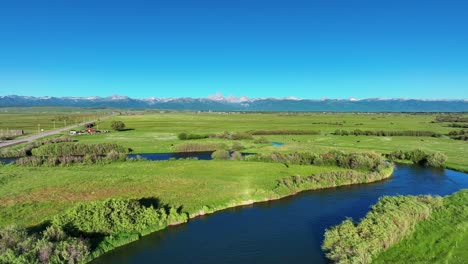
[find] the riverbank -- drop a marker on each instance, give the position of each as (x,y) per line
(418,229)
(31,195)
(124,239)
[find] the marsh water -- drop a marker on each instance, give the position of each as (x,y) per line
(288,230)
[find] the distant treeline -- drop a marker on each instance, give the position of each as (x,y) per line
(451,118)
(27,150)
(391,219)
(459,135)
(87,230)
(284,132)
(458,125)
(418,156)
(247,135)
(409,133)
(362,160)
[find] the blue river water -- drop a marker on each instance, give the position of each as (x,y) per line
(289,230)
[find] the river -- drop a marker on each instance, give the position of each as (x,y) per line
(289,230)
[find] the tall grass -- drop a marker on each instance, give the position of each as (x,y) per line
(391,219)
(195,147)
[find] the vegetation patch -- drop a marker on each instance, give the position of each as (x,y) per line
(87,230)
(391,219)
(27,150)
(284,132)
(442,238)
(195,147)
(420,157)
(383,133)
(459,135)
(331,179)
(360,160)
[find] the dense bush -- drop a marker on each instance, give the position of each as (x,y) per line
(185,136)
(220,154)
(459,135)
(50,246)
(118,125)
(236,146)
(451,118)
(330,179)
(236,155)
(26,150)
(458,125)
(362,160)
(234,135)
(389,221)
(409,133)
(74,153)
(113,216)
(195,147)
(78,149)
(284,132)
(420,157)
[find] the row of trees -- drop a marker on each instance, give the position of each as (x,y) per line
(410,133)
(451,118)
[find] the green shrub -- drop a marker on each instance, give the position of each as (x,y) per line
(220,155)
(195,147)
(236,146)
(236,156)
(118,125)
(185,136)
(50,246)
(420,157)
(113,216)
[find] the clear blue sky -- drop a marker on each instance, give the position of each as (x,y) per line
(308,49)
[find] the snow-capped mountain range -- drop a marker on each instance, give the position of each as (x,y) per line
(218,102)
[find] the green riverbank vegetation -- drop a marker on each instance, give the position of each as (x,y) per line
(404,229)
(75,199)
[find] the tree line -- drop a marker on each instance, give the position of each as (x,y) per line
(409,133)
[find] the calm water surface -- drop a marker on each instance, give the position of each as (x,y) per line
(289,230)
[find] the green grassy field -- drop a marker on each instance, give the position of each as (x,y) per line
(30,195)
(443,238)
(158,132)
(47,118)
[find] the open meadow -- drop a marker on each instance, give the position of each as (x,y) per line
(157,132)
(76,183)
